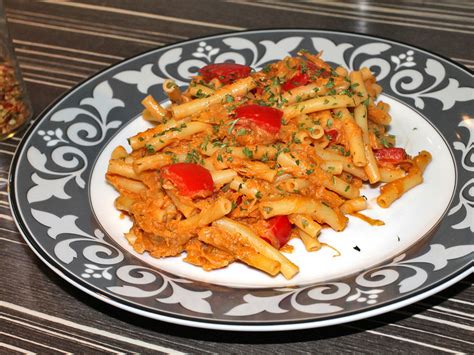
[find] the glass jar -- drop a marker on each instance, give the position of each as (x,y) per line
(15,107)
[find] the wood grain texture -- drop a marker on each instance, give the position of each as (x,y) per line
(61,44)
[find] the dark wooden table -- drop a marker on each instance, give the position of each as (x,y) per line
(62,43)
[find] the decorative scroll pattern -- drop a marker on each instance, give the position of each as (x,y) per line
(72,131)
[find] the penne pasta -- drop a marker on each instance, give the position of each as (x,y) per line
(240,162)
(318,104)
(396,188)
(239,88)
(288,269)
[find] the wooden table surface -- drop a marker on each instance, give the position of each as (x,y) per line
(59,44)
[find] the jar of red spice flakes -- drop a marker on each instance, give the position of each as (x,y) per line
(15,107)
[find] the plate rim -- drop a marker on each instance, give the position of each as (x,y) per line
(121,303)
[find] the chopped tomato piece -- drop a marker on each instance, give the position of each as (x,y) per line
(267,118)
(303,76)
(390,155)
(299,79)
(332,135)
(190,179)
(225,72)
(280,229)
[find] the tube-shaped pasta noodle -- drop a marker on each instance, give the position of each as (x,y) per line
(303,137)
(422,160)
(239,185)
(328,180)
(238,88)
(354,205)
(119,153)
(395,189)
(119,167)
(217,210)
(305,92)
(379,116)
(154,108)
(185,209)
(123,184)
(208,164)
(332,166)
(391,174)
(200,90)
(371,168)
(288,269)
(288,205)
(347,165)
(310,243)
(366,73)
(353,133)
(306,224)
(257,152)
(294,184)
(139,140)
(261,262)
(318,104)
(376,90)
(333,217)
(232,244)
(222,177)
(170,136)
(341,71)
(303,205)
(256,169)
(357,82)
(151,162)
(124,203)
(172,90)
(316,131)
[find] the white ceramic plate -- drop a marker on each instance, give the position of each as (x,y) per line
(64,207)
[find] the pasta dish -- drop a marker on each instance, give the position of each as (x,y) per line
(242,161)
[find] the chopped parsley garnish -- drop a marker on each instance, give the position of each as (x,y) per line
(247,152)
(149,148)
(242,132)
(232,125)
(330,83)
(200,94)
(267,209)
(205,143)
(193,157)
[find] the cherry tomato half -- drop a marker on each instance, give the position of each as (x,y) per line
(190,179)
(299,79)
(390,155)
(267,118)
(332,135)
(225,72)
(280,228)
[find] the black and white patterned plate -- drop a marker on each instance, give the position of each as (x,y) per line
(64,208)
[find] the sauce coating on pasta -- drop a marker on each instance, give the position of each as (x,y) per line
(242,162)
